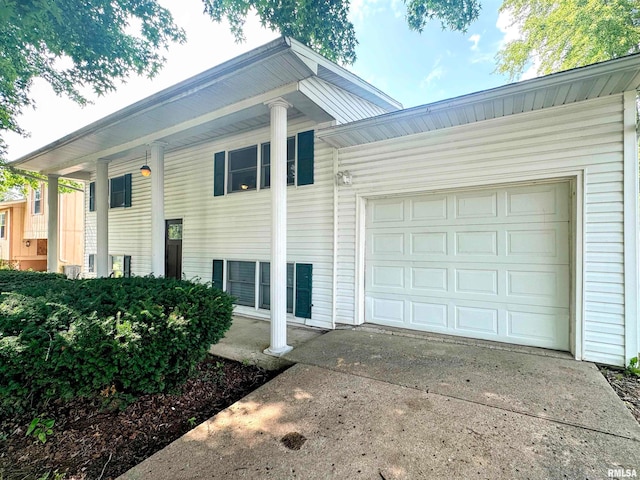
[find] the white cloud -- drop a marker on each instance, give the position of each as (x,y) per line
(361,9)
(436,73)
(509,28)
(474,39)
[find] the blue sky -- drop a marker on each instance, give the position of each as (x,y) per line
(411,67)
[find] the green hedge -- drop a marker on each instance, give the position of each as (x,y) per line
(63,338)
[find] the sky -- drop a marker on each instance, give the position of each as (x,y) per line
(413,68)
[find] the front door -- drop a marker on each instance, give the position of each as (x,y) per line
(173,249)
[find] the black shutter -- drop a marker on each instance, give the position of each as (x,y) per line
(127,266)
(305,158)
(218,176)
(218,274)
(304,273)
(92,197)
(127,190)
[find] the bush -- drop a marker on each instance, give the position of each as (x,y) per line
(63,338)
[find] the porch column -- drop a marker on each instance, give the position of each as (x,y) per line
(278,267)
(52,223)
(157,209)
(102,218)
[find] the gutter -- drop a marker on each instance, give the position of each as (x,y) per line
(630,63)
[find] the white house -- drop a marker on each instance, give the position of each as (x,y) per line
(509,214)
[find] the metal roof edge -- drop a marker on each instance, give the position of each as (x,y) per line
(618,64)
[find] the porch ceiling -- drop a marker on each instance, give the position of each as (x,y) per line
(224,100)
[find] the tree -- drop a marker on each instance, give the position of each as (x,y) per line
(77,45)
(563,34)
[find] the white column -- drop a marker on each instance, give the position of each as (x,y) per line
(102,218)
(157,209)
(52,223)
(278,280)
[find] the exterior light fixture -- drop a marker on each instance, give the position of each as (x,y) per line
(145,171)
(244,186)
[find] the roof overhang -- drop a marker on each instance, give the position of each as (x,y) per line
(225,100)
(594,81)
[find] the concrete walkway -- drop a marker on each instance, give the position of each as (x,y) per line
(379,406)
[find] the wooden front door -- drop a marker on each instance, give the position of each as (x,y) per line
(173,249)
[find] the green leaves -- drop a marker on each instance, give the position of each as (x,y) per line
(41,428)
(563,34)
(63,338)
(453,14)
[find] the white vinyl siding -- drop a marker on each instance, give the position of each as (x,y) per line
(238,226)
(587,136)
(343,106)
(129,228)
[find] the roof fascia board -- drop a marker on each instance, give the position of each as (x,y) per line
(550,81)
(303,51)
(194,122)
(170,94)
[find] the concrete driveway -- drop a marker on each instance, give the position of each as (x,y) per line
(380,406)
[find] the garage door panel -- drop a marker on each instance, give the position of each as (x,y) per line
(429,279)
(476,205)
(476,320)
(545,330)
(476,243)
(387,243)
(431,209)
(548,201)
(483,282)
(490,264)
(388,211)
(428,243)
(428,314)
(387,311)
(545,203)
(510,243)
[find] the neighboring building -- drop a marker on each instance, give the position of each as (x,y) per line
(23,230)
(507,215)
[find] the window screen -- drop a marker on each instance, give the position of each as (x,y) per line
(265,155)
(243,169)
(241,280)
(265,290)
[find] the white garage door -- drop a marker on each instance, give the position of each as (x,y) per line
(490,264)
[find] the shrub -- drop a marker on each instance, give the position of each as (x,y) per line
(63,338)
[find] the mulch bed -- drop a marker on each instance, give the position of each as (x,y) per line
(627,386)
(91,441)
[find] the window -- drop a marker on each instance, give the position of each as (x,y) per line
(241,280)
(92,197)
(120,191)
(241,166)
(92,263)
(265,290)
(37,201)
(241,283)
(120,265)
(265,172)
(3,225)
(243,171)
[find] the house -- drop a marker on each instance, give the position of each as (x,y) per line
(24,231)
(508,215)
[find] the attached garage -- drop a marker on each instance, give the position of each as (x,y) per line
(491,263)
(508,215)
